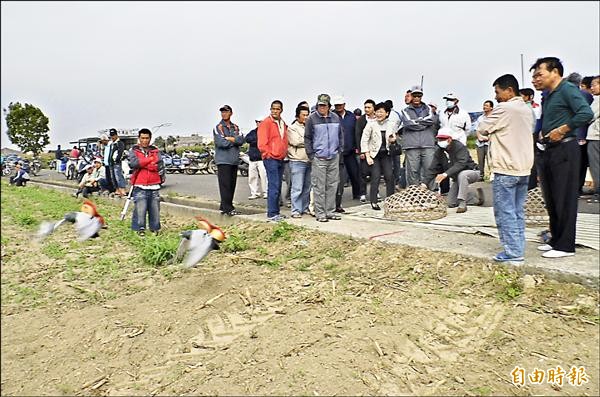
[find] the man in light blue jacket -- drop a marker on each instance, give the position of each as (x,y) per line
(323,141)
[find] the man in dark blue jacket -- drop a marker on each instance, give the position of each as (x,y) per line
(257,174)
(348,163)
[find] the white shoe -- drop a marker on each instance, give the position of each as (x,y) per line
(253,197)
(265,196)
(557,254)
(544,247)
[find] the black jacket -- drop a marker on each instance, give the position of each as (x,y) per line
(252,140)
(460,160)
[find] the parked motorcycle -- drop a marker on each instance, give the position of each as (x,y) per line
(244,164)
(36,166)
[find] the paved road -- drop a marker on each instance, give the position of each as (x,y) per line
(206,186)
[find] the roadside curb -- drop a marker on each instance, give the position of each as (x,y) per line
(189,208)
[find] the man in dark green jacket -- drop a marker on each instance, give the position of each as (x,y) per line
(564,109)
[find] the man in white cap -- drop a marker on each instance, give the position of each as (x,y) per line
(452,160)
(348,163)
(257,174)
(456,118)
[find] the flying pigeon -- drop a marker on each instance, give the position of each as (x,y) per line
(196,244)
(88,222)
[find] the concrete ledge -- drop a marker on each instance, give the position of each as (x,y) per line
(583,268)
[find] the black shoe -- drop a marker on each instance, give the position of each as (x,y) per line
(232,213)
(340,210)
(375,207)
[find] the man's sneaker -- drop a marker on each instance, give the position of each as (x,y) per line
(276,218)
(363,199)
(253,197)
(334,217)
(322,220)
(141,232)
(296,215)
(544,247)
(265,195)
(462,207)
(557,254)
(340,210)
(232,213)
(502,257)
(480,195)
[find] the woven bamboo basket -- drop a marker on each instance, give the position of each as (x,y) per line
(535,208)
(414,204)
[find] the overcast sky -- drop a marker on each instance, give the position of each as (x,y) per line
(95,65)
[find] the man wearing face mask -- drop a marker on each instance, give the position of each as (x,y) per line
(452,160)
(456,119)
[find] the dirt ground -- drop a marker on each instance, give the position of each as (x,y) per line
(284,311)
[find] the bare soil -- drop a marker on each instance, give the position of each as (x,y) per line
(297,312)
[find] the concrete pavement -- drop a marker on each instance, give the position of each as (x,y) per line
(582,268)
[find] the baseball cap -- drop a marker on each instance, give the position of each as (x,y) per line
(433,104)
(112,132)
(416,89)
(87,167)
(338,100)
(98,159)
(225,108)
(259,119)
(452,96)
(324,99)
(444,133)
(104,137)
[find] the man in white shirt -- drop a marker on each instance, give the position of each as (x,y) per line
(456,118)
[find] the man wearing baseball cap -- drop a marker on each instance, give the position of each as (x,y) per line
(456,118)
(257,174)
(418,137)
(452,160)
(323,141)
(227,140)
(348,163)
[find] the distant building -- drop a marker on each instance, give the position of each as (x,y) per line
(193,140)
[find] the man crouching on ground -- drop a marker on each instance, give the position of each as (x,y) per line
(146,162)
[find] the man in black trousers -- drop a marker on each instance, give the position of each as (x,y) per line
(564,109)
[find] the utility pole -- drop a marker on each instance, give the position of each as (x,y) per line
(421,81)
(522,73)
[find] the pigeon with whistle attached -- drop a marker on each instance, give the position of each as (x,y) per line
(196,244)
(87,221)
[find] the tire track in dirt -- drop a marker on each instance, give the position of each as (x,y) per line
(216,332)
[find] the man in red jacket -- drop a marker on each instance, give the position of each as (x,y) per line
(272,143)
(146,162)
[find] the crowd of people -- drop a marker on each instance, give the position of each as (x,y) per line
(522,143)
(326,148)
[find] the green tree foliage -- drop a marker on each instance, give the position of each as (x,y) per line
(171,140)
(159,142)
(27,127)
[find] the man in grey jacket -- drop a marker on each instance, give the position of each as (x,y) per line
(228,140)
(418,138)
(323,141)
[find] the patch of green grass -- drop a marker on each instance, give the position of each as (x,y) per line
(54,251)
(303,267)
(262,250)
(25,220)
(236,241)
(156,250)
(508,288)
(482,391)
(283,231)
(335,254)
